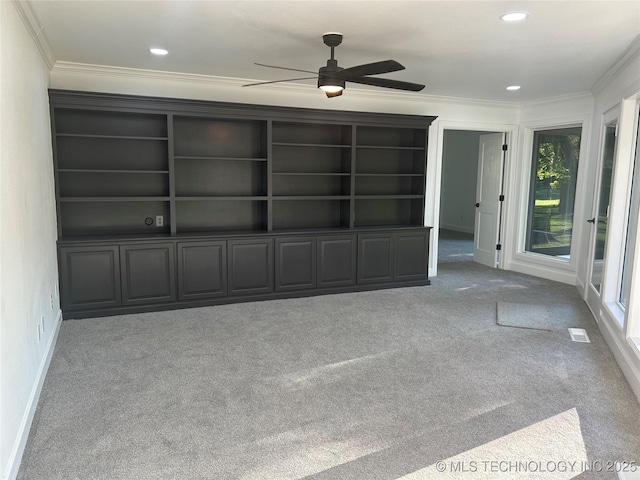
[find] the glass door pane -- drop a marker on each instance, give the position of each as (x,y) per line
(552,190)
(632,228)
(602,214)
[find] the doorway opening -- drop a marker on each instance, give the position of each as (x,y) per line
(470,197)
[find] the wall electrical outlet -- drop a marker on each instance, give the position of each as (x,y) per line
(51,301)
(159,221)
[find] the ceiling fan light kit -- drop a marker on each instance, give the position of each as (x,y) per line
(332,78)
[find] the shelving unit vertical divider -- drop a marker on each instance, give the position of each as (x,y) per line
(352,178)
(423,159)
(172,172)
(54,145)
(269,175)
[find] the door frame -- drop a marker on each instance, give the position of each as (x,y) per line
(434,181)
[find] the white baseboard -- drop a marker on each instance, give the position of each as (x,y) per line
(13,465)
(622,356)
(582,289)
(542,271)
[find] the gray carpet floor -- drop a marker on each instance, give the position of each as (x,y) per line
(363,386)
(454,246)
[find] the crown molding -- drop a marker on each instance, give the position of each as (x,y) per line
(84,69)
(559,98)
(631,53)
(36,31)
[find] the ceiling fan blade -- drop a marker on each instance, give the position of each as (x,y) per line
(285,68)
(387,83)
(375,68)
(336,94)
(278,81)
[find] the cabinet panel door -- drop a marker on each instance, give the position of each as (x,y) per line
(250,266)
(336,261)
(90,277)
(375,258)
(295,263)
(202,270)
(411,255)
(148,273)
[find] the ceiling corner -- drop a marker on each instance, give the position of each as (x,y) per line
(36,31)
(629,55)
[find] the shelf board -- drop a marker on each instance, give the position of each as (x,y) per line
(200,198)
(311,197)
(120,137)
(386,197)
(389,147)
(88,170)
(314,145)
(114,199)
(389,175)
(240,159)
(310,174)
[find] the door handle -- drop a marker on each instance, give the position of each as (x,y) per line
(591,220)
(477,205)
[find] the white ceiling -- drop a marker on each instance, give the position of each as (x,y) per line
(456,48)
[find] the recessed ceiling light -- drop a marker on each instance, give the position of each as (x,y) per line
(513,16)
(513,87)
(158,51)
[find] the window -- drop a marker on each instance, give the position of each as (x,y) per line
(554,171)
(632,228)
(602,214)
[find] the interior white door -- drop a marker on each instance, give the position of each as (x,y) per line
(487,223)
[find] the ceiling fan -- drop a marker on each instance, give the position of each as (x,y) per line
(332,78)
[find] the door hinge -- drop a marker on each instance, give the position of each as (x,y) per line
(501,198)
(504,148)
(498,247)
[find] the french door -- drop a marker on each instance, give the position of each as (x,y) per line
(600,219)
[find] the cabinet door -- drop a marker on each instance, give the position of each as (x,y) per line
(148,273)
(295,263)
(375,258)
(250,266)
(336,261)
(90,277)
(202,270)
(411,255)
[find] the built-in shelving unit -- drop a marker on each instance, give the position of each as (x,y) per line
(390,176)
(112,171)
(220,172)
(240,189)
(311,175)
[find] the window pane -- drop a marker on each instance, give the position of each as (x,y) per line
(602,215)
(632,227)
(553,190)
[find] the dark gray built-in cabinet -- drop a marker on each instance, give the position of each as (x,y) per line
(168,203)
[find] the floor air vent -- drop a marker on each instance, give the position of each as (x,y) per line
(579,335)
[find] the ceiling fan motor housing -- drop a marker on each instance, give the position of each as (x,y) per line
(326,75)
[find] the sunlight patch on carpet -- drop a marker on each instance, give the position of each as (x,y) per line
(330,373)
(552,449)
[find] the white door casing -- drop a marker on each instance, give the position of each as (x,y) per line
(487,222)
